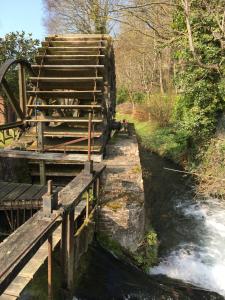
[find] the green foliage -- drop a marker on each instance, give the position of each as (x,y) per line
(160,108)
(202,88)
(144,257)
(146,254)
(167,141)
(18,45)
(122,95)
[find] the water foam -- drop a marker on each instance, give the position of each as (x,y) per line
(201,263)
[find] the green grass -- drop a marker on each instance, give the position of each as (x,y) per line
(166,141)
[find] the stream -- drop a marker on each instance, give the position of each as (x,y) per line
(191,235)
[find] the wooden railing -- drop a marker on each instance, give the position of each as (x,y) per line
(58,209)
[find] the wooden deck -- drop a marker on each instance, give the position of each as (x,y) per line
(15,195)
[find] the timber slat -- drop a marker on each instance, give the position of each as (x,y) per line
(69,56)
(64,120)
(30,193)
(39,194)
(65,79)
(54,106)
(19,190)
(3,183)
(68,67)
(19,247)
(73,48)
(49,156)
(7,189)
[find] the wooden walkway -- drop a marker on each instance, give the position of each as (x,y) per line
(15,289)
(14,195)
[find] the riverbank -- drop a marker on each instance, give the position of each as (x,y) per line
(205,162)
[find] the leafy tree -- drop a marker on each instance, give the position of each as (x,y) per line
(200,54)
(16,45)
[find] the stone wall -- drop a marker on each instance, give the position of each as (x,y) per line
(122,213)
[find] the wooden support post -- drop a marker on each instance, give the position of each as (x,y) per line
(40,127)
(70,251)
(3,137)
(63,249)
(89,135)
(22,89)
(40,141)
(49,200)
(12,99)
(87,204)
(97,189)
(42,172)
(50,290)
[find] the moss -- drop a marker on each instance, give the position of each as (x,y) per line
(114,205)
(111,245)
(144,257)
(137,169)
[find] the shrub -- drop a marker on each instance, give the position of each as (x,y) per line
(160,108)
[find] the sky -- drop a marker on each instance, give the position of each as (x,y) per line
(18,15)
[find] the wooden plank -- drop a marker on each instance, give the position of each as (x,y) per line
(72,43)
(70,195)
(39,195)
(16,286)
(80,94)
(3,183)
(66,67)
(65,79)
(69,56)
(7,189)
(54,106)
(72,48)
(78,36)
(20,246)
(49,156)
(11,125)
(30,193)
(63,120)
(15,193)
(22,88)
(7,297)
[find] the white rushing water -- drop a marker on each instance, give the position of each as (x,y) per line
(201,263)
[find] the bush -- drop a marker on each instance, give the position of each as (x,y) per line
(160,109)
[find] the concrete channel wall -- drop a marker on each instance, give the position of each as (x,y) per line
(122,213)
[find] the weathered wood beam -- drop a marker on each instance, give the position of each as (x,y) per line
(11,125)
(59,157)
(20,247)
(12,99)
(22,89)
(71,194)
